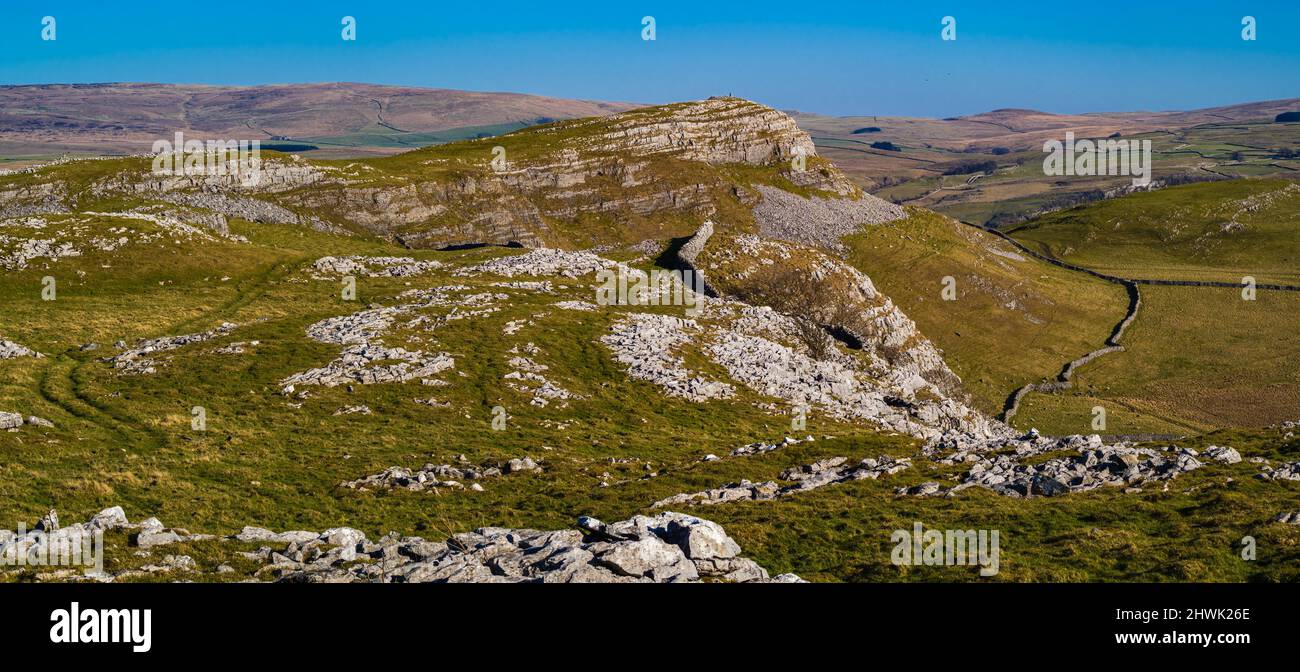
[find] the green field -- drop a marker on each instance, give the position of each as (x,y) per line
(1196,359)
(1220,231)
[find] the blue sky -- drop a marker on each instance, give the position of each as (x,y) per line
(864,57)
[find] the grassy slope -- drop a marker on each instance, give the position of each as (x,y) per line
(1178,233)
(1196,359)
(1015,320)
(126,440)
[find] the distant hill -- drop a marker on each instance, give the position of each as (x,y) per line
(355,119)
(1188,146)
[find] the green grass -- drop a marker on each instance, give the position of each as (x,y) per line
(1218,231)
(1196,359)
(127,440)
(1016,320)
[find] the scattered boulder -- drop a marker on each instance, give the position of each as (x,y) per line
(138,360)
(49,522)
(11,350)
(923,490)
(666,548)
(148,538)
(10,420)
(759,448)
(808,477)
(1001,464)
(112,518)
(521,464)
(646,343)
(542,262)
(1289,471)
(1288,518)
(1223,454)
(172,563)
(250,533)
(432,477)
(375,267)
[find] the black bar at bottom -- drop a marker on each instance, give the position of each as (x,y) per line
(334,622)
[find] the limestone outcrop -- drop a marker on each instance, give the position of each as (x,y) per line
(665,548)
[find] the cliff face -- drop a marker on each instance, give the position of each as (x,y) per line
(816,286)
(652,172)
(647,168)
(717,131)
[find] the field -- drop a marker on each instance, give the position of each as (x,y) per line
(1196,359)
(349,119)
(1238,141)
(1219,231)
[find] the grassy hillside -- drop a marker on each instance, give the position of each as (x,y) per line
(1016,320)
(654,172)
(1218,231)
(276,458)
(123,439)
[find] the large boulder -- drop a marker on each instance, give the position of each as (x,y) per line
(648,557)
(10,420)
(701,540)
(1223,454)
(112,518)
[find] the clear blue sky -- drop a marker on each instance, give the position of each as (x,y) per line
(861,57)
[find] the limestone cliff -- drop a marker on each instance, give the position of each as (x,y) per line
(649,173)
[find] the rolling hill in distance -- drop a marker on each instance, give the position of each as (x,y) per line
(987,168)
(983,168)
(343,119)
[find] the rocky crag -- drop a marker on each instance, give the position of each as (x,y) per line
(650,169)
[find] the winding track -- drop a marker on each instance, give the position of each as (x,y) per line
(61,382)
